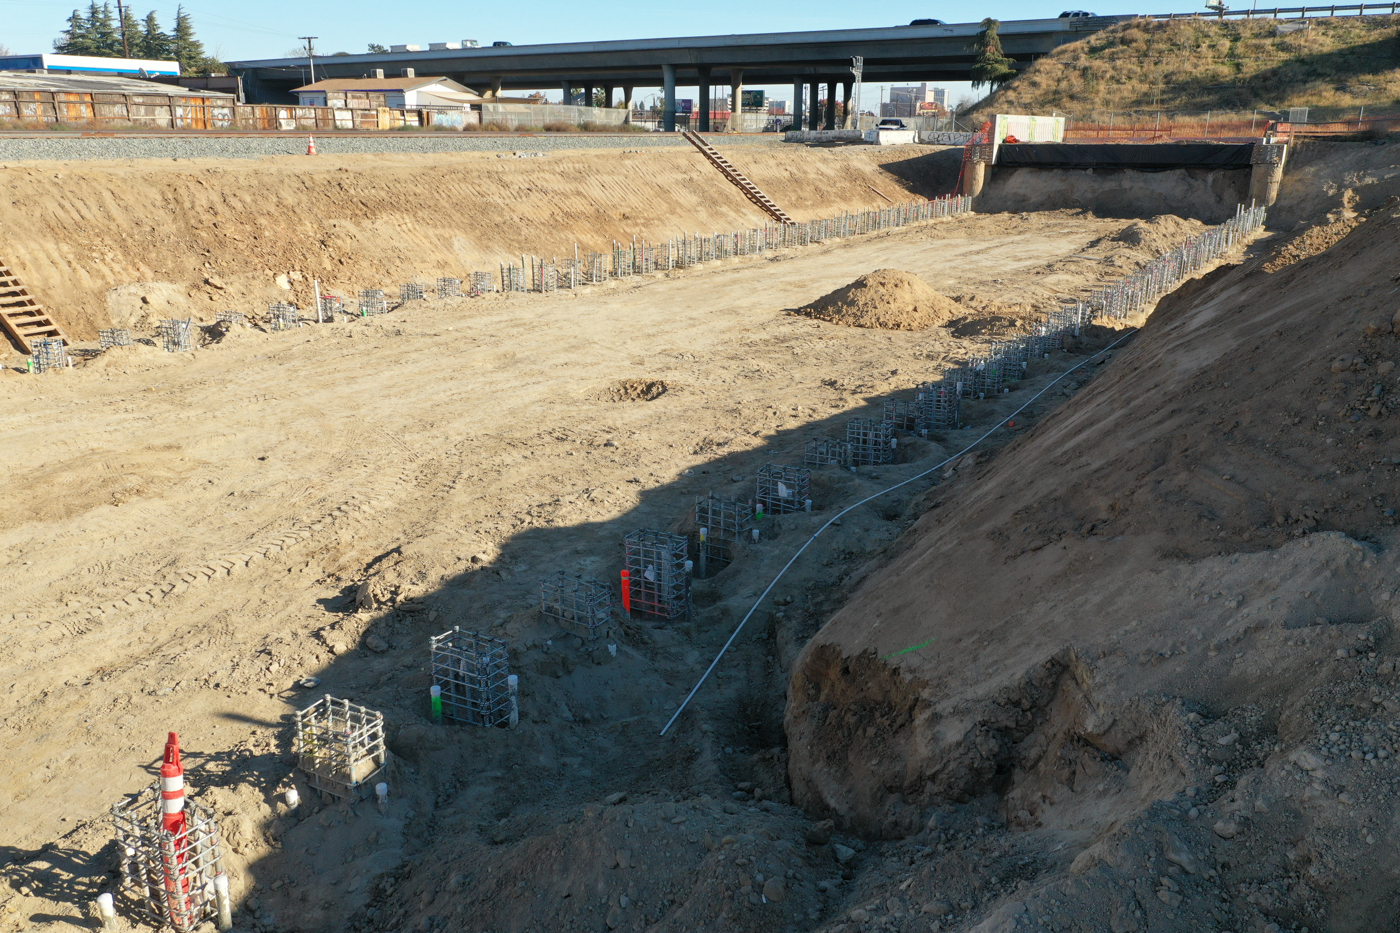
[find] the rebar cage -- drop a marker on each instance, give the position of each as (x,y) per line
(48,353)
(449,288)
(110,337)
(412,291)
(170,875)
(283,316)
(941,403)
(175,335)
(784,488)
(576,602)
(473,671)
(822,453)
(719,524)
(340,746)
(905,415)
(871,441)
(231,318)
(658,580)
(372,301)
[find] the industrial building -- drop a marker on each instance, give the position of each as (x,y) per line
(405,93)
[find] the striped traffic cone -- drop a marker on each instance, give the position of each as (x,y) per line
(310,145)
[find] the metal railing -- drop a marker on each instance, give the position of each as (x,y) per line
(1297,12)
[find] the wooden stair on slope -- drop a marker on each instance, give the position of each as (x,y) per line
(737,177)
(21,316)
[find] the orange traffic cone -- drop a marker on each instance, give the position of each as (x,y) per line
(310,145)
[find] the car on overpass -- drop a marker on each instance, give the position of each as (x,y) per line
(928,22)
(1075,14)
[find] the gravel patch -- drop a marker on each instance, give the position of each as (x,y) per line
(62,148)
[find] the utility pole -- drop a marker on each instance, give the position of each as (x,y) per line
(310,55)
(857,66)
(121,18)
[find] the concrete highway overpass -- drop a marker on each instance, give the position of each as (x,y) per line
(803,59)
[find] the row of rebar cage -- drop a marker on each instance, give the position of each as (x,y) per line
(534,274)
(937,405)
(169,874)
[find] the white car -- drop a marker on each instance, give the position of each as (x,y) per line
(891,123)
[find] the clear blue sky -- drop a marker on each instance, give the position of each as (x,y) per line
(269,28)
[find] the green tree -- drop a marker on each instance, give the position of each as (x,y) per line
(102,27)
(153,44)
(77,38)
(992,67)
(376,49)
(186,49)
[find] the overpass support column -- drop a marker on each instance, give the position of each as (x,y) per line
(830,122)
(495,87)
(848,121)
(668,106)
(1267,173)
(627,102)
(797,110)
(607,96)
(568,92)
(587,95)
(736,100)
(704,101)
(814,113)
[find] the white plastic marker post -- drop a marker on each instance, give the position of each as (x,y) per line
(107,911)
(223,902)
(855,505)
(292,797)
(381,796)
(513,685)
(316,286)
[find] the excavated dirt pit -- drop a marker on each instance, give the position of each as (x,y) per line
(1127,668)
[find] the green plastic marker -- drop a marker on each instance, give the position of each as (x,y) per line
(437,703)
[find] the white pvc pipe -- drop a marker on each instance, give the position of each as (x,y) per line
(107,911)
(223,902)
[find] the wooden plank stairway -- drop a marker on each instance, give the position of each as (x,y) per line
(23,318)
(737,177)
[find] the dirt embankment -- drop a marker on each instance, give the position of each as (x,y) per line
(1154,637)
(121,244)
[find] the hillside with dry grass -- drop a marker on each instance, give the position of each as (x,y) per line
(1334,66)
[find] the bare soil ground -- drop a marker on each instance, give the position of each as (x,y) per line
(1143,664)
(189,536)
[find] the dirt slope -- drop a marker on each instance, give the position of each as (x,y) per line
(1150,645)
(105,244)
(1333,66)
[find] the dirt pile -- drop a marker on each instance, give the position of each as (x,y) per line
(1310,242)
(886,299)
(1166,678)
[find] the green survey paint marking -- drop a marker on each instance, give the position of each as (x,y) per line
(895,654)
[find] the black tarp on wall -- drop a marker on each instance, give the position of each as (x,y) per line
(1144,157)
